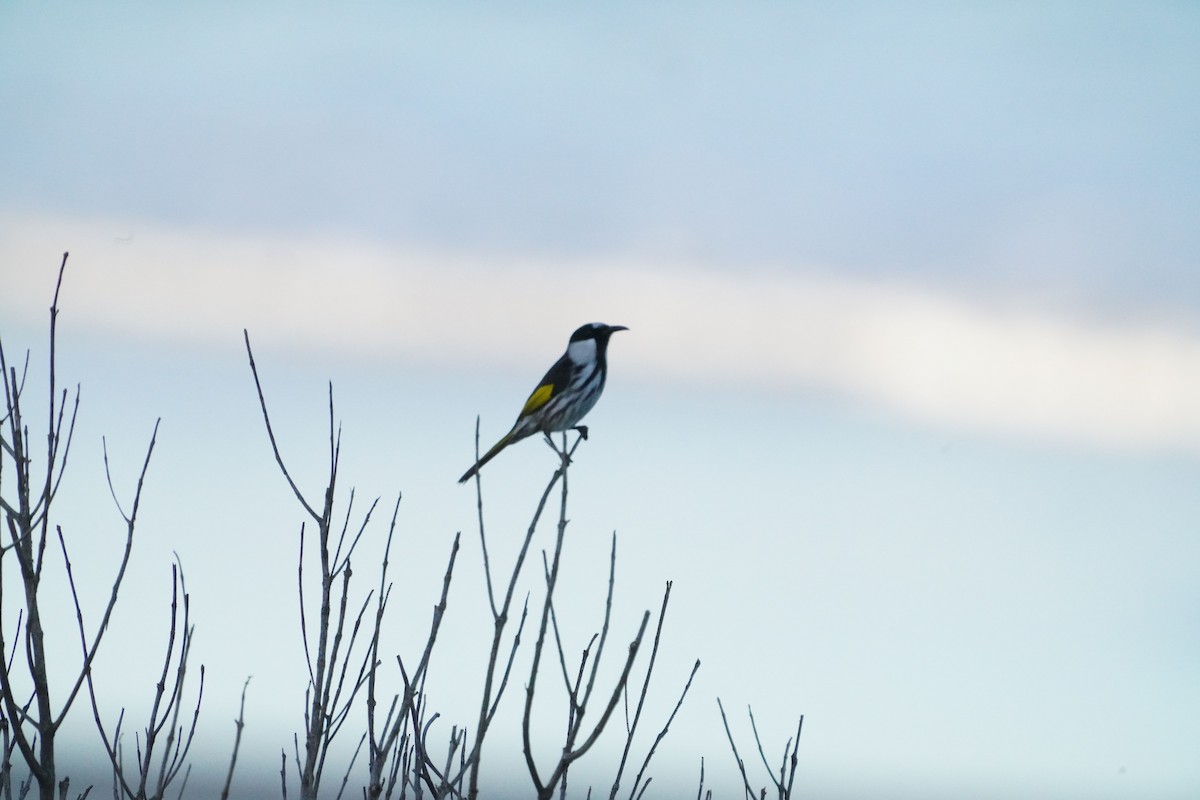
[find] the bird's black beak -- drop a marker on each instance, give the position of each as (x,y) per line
(615,328)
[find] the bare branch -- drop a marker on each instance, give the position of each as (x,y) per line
(637,715)
(130,524)
(487,566)
(749,792)
(240,724)
(491,693)
(758,742)
(608,600)
(662,734)
(792,758)
(271,433)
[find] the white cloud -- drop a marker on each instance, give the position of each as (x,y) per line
(937,358)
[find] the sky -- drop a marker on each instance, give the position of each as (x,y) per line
(908,410)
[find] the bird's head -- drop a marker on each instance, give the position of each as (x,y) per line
(590,340)
(596,330)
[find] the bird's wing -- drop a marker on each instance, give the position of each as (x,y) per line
(554,380)
(539,398)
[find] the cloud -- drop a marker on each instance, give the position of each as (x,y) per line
(936,358)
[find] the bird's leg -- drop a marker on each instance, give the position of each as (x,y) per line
(583,434)
(561,453)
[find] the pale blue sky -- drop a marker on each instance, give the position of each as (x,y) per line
(909,410)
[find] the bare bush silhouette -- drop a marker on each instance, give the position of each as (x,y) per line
(345,663)
(352,689)
(31,719)
(463,755)
(402,755)
(328,699)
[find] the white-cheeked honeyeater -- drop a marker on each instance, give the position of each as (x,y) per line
(568,391)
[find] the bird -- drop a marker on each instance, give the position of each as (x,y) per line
(565,395)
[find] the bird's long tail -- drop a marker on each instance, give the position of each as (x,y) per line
(504,442)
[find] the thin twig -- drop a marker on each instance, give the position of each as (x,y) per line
(637,715)
(271,433)
(491,693)
(662,734)
(741,764)
(793,758)
(131,523)
(570,751)
(240,724)
(758,743)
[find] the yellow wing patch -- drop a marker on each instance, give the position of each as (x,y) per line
(539,398)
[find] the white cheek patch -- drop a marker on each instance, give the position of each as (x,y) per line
(582,351)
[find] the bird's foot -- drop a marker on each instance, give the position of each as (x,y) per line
(582,431)
(563,453)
